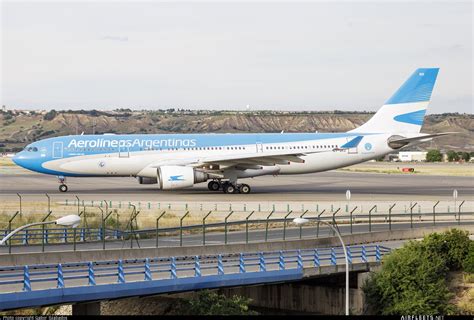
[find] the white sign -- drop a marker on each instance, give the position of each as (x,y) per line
(348,195)
(455,194)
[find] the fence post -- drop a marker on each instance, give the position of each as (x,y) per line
(241,263)
(174,275)
(281,261)
(459,212)
(25,237)
(65,235)
(261,262)
(91,275)
(352,211)
(434,212)
(377,253)
(334,222)
(301,227)
(10,228)
(121,276)
(158,226)
(197,267)
(181,229)
(60,277)
(411,214)
(43,236)
(319,218)
(266,226)
(247,227)
(26,279)
(299,260)
(204,227)
(284,224)
(370,217)
(317,262)
(147,270)
(390,216)
(333,257)
(225,226)
(220,266)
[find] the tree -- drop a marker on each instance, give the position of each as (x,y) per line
(452,156)
(50,115)
(434,156)
(412,279)
(466,156)
(211,303)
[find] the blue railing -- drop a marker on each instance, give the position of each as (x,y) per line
(48,276)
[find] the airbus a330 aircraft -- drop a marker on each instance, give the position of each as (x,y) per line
(175,161)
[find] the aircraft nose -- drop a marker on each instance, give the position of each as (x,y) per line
(20,159)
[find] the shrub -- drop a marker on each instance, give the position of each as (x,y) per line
(434,156)
(452,156)
(412,279)
(468,262)
(211,303)
(452,246)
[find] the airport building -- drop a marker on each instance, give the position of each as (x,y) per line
(407,156)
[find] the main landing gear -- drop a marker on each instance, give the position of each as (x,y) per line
(228,187)
(62,186)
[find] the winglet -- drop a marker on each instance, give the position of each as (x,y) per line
(353,143)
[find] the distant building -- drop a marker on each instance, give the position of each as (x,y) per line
(407,156)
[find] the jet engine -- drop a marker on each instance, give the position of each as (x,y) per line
(178,177)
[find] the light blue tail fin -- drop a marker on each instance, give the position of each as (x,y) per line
(405,110)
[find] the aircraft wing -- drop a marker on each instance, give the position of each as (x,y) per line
(252,160)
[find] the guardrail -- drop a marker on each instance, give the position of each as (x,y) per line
(27,278)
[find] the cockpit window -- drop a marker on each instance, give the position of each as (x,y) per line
(32,149)
(35,149)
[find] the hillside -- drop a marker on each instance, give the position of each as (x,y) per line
(21,127)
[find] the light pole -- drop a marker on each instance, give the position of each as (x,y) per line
(302,221)
(67,221)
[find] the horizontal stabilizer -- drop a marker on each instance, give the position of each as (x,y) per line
(397,142)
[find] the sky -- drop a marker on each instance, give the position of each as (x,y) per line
(227,55)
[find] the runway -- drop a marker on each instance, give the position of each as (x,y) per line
(330,185)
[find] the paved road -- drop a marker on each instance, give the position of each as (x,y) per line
(232,237)
(310,187)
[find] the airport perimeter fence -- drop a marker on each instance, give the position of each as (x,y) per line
(228,231)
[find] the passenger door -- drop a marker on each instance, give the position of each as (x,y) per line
(57,149)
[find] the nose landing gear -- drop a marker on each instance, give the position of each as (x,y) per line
(62,186)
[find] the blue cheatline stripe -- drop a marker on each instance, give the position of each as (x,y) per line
(122,290)
(417,88)
(98,144)
(415,117)
(353,143)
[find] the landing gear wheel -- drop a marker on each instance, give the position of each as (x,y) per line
(228,188)
(213,185)
(244,188)
(63,188)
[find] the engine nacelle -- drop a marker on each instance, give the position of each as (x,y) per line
(178,177)
(146,180)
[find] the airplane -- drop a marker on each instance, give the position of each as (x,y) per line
(176,161)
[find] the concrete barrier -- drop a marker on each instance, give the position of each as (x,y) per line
(115,254)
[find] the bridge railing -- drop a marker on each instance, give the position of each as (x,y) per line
(48,276)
